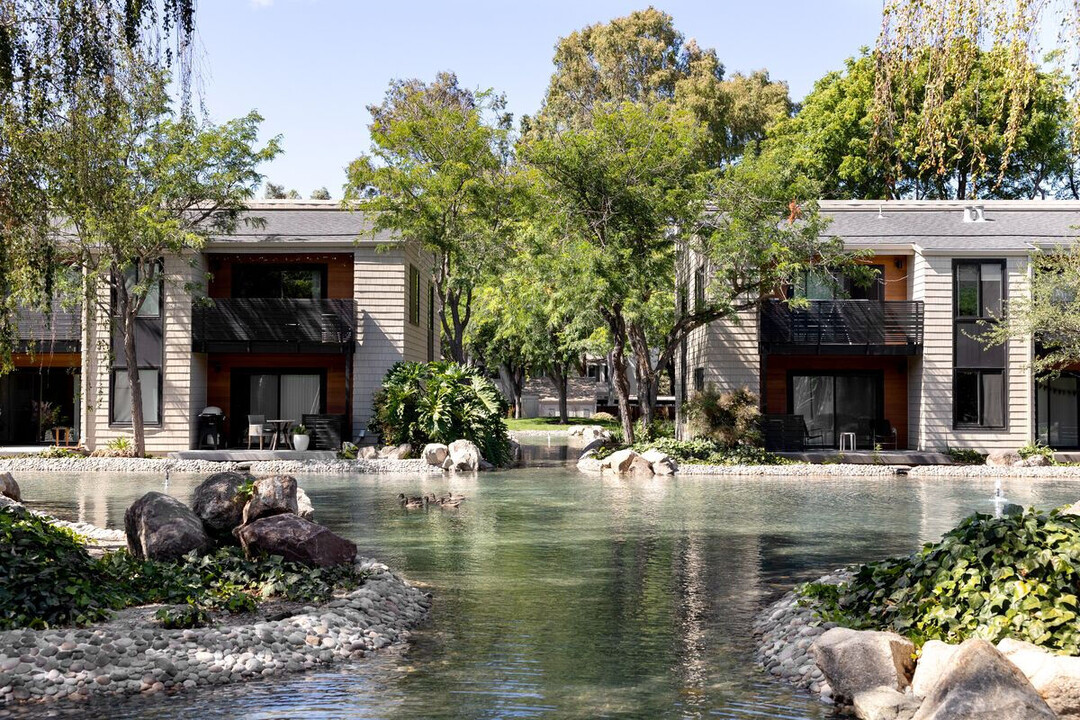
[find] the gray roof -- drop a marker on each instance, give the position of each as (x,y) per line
(937,226)
(303,221)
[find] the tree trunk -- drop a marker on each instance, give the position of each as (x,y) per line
(617,326)
(128,310)
(647,375)
(559,377)
(513,378)
(454,326)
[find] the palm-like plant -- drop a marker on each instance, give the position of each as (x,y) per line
(442,402)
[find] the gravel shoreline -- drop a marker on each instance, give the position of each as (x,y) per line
(126,656)
(263,467)
(784,632)
(798,470)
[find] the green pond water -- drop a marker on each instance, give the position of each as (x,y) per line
(560,595)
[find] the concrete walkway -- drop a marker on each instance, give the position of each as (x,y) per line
(865,457)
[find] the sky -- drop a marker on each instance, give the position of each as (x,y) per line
(311,67)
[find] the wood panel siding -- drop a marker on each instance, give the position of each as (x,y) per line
(339,270)
(219,368)
(896,278)
(894,372)
(47,360)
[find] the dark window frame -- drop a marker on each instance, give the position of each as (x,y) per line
(414,295)
(1039,381)
(964,320)
(119,365)
(699,379)
(239,268)
(431,322)
(700,284)
(877,375)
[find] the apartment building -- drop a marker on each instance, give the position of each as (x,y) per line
(897,363)
(296,316)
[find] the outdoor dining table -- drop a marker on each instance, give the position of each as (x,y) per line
(281,430)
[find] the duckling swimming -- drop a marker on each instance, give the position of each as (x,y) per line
(411,503)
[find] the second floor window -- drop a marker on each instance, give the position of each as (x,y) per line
(273,281)
(979,378)
(700,281)
(825,285)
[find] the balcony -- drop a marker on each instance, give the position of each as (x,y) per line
(843,327)
(249,325)
(59,331)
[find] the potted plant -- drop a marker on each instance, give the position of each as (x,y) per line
(301,438)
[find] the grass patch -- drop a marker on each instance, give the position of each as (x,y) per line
(513,424)
(700,451)
(50,580)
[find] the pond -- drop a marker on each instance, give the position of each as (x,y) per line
(569,596)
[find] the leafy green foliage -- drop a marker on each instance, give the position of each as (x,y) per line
(182,618)
(990,578)
(1036,450)
(420,403)
(245,490)
(49,579)
(702,451)
(604,417)
(658,429)
(965,456)
(348,451)
(729,418)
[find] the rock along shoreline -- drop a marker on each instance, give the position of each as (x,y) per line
(74,664)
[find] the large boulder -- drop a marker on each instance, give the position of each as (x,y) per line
(588,462)
(9,488)
(396,452)
(435,454)
(588,433)
(1003,458)
(979,683)
(216,503)
(295,539)
(464,456)
(368,452)
(273,495)
(1055,677)
(160,527)
(935,657)
(515,453)
(661,462)
(854,661)
(884,703)
(16,508)
(626,460)
(1035,461)
(304,508)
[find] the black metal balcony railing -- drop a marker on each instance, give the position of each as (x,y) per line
(273,325)
(57,331)
(872,327)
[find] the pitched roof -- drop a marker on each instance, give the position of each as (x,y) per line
(302,221)
(939,226)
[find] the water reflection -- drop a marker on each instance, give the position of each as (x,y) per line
(571,596)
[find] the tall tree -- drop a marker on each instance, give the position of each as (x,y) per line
(833,139)
(438,174)
(49,51)
(644,58)
(929,72)
(320,194)
(135,184)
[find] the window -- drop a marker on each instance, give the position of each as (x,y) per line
(684,301)
(825,285)
(277,280)
(699,289)
(699,379)
(430,322)
(979,371)
(148,355)
(414,295)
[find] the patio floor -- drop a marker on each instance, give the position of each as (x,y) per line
(245,455)
(866,457)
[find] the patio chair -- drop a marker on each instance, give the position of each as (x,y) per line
(257,427)
(884,434)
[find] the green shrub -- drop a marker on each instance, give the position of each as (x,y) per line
(56,452)
(700,451)
(656,430)
(420,403)
(965,456)
(182,618)
(49,580)
(1035,449)
(990,578)
(604,417)
(730,418)
(348,451)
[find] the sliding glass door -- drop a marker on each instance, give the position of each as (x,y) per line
(835,403)
(276,395)
(1058,412)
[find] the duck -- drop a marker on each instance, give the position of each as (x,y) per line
(411,503)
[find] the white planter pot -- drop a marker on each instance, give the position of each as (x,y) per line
(300,442)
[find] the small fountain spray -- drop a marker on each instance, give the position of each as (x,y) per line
(168,471)
(999,498)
